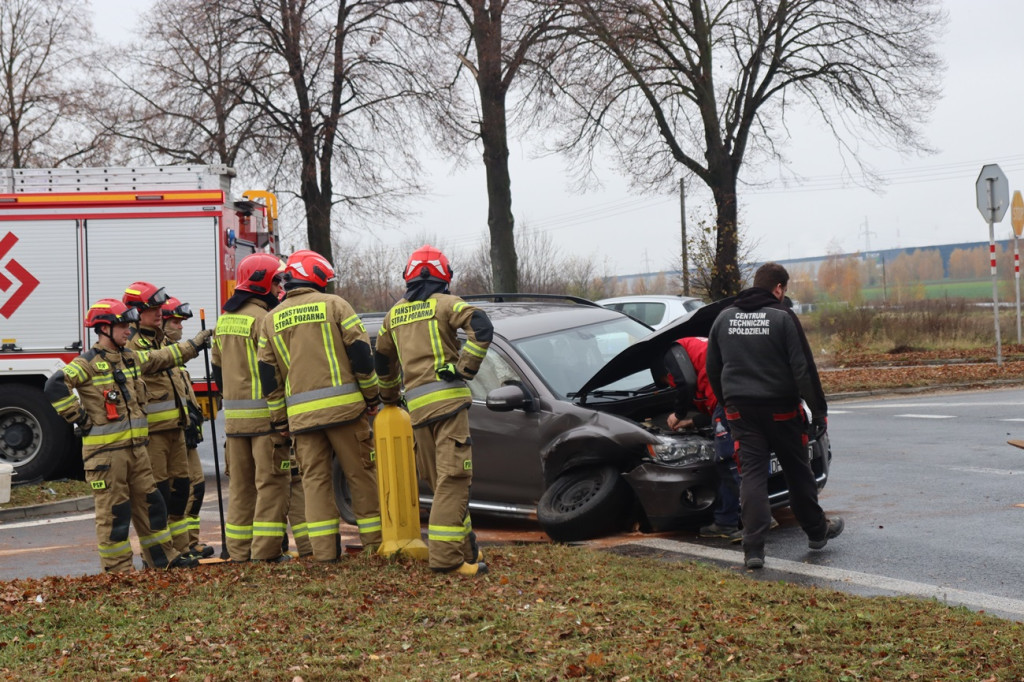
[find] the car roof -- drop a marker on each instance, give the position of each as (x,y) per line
(516,320)
(646,297)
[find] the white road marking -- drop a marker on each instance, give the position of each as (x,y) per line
(926,416)
(972,600)
(832,412)
(924,403)
(983,470)
(1013,419)
(49,521)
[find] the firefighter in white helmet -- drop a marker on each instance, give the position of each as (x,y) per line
(257,458)
(419,340)
(165,410)
(109,412)
(317,371)
(174,314)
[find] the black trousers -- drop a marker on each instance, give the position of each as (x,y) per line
(758,431)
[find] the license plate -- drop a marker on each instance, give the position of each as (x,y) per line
(773,466)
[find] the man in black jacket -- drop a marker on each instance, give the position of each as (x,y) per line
(760,365)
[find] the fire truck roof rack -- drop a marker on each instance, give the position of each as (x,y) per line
(121,179)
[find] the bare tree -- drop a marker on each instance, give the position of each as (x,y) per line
(499,44)
(46,91)
(184,80)
(696,85)
(342,113)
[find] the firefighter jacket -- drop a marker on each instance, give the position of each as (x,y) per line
(168,389)
(235,343)
(316,364)
(419,340)
(110,407)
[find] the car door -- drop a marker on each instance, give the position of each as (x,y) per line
(506,445)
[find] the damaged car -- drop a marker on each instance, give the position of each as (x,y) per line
(569,425)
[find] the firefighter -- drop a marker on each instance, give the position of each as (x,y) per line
(166,410)
(316,365)
(419,341)
(174,313)
(109,412)
(257,457)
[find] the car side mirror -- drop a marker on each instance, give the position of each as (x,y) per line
(508,398)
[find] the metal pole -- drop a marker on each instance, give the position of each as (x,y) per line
(1016,281)
(213,432)
(992,265)
(682,221)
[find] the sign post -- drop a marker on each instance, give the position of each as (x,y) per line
(993,191)
(1017,220)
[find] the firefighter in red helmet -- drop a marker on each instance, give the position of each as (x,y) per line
(166,410)
(107,411)
(257,458)
(419,341)
(174,314)
(316,368)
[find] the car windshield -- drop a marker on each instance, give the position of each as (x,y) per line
(566,359)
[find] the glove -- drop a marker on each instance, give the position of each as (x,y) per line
(817,427)
(448,373)
(194,428)
(82,425)
(202,339)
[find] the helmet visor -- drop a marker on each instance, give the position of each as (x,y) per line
(130,315)
(158,298)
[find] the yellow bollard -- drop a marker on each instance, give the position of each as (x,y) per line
(396,484)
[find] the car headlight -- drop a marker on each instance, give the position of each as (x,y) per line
(680,451)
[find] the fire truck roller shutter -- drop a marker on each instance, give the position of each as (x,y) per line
(41,315)
(179,254)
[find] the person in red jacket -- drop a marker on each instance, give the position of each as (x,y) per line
(685,364)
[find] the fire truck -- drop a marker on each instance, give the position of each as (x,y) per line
(70,236)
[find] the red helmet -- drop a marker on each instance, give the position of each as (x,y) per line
(143,295)
(256,273)
(309,266)
(428,262)
(110,311)
(175,309)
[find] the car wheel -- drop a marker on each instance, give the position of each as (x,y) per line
(585,503)
(342,495)
(33,437)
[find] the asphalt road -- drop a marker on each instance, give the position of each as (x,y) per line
(931,493)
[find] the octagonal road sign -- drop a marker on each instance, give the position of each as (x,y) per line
(1017,213)
(993,192)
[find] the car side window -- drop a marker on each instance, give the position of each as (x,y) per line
(494,372)
(648,313)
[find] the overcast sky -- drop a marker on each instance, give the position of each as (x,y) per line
(926,200)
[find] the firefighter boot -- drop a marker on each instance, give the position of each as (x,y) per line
(472,570)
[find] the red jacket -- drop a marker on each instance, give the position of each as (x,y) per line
(703,397)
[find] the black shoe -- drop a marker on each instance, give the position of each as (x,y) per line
(200,551)
(753,561)
(284,558)
(183,561)
(835,527)
(730,533)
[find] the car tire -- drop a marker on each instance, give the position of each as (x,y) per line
(33,437)
(342,495)
(585,503)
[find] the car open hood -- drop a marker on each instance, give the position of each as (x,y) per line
(640,355)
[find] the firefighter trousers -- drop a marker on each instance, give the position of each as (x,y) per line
(124,493)
(444,460)
(169,456)
(197,491)
(352,443)
(257,496)
(297,513)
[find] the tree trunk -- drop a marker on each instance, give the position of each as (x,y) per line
(494,137)
(725,276)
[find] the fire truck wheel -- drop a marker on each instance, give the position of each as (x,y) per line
(342,495)
(33,437)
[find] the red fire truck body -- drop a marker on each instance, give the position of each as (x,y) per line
(71,236)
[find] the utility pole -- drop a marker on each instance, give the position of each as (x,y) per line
(682,221)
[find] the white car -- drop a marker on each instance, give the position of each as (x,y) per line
(654,310)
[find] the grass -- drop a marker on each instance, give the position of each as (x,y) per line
(546,612)
(48,491)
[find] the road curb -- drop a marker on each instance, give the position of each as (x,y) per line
(36,510)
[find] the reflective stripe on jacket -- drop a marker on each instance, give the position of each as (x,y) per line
(97,372)
(417,339)
(167,389)
(307,340)
(235,342)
